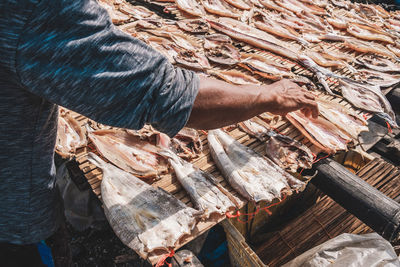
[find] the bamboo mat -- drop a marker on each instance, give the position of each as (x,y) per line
(327,219)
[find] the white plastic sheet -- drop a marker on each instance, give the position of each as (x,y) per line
(369,250)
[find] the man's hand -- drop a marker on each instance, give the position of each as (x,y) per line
(286,96)
(220,104)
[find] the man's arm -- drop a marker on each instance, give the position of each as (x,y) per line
(70,54)
(219,104)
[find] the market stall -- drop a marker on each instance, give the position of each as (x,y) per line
(345,53)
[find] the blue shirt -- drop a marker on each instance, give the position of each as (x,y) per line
(68,53)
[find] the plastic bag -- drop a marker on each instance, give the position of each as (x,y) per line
(369,250)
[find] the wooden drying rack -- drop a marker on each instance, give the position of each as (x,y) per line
(169,182)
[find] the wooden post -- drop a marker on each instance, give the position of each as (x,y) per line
(372,207)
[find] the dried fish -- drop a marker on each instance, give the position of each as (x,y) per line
(117,17)
(250,35)
(145,218)
(178,38)
(368,97)
(192,60)
(264,67)
(378,63)
(70,135)
(164,46)
(287,153)
(343,4)
(378,78)
(138,12)
(366,47)
(394,49)
(219,7)
(263,22)
(323,61)
(192,7)
(235,77)
(321,132)
(238,4)
(270,4)
(368,33)
(194,25)
(207,195)
(129,152)
(344,118)
(219,49)
(337,23)
(187,143)
(255,177)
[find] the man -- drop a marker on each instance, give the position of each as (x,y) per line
(68,53)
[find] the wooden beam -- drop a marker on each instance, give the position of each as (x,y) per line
(375,209)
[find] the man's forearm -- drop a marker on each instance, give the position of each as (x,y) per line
(219,104)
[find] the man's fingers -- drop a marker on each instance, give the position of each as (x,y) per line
(309,95)
(313,106)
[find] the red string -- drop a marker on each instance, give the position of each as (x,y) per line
(204,132)
(164,257)
(91,147)
(266,209)
(250,216)
(315,161)
(238,214)
(389,128)
(276,130)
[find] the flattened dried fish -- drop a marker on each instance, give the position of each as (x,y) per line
(70,135)
(394,49)
(367,33)
(378,78)
(178,38)
(235,77)
(366,47)
(321,132)
(187,143)
(192,7)
(378,64)
(344,118)
(368,97)
(250,35)
(164,46)
(143,217)
(138,12)
(117,17)
(287,153)
(337,23)
(220,8)
(194,25)
(219,49)
(264,22)
(325,62)
(129,152)
(255,177)
(192,60)
(264,67)
(238,4)
(207,195)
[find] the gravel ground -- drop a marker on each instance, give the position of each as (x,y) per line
(99,246)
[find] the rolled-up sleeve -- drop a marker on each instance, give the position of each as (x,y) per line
(70,54)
